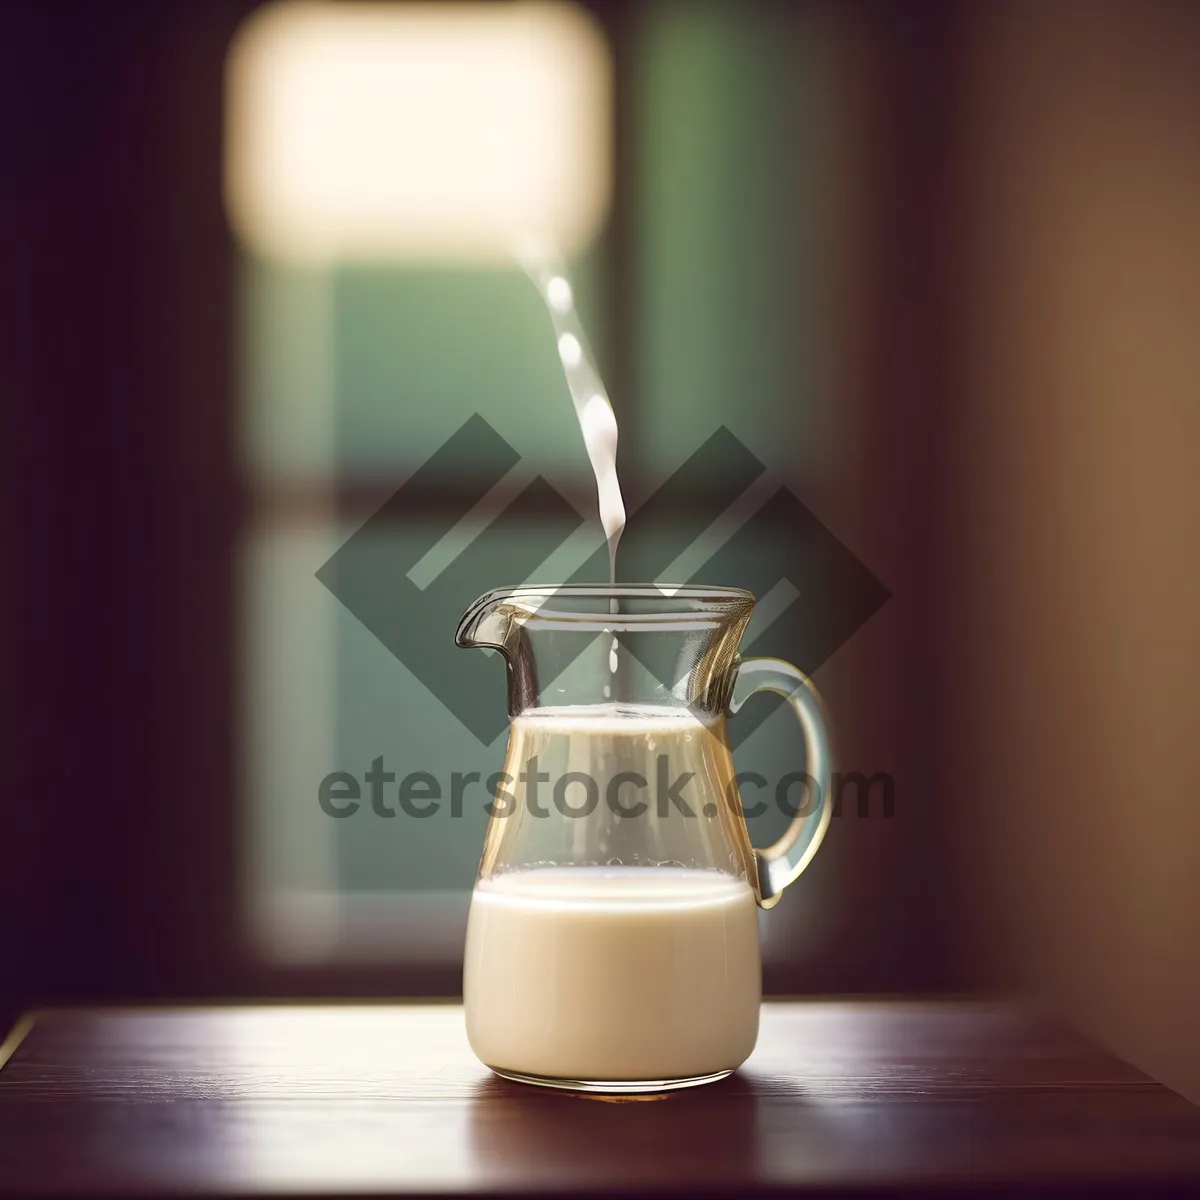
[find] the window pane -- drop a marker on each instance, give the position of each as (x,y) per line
(416,132)
(324,696)
(366,371)
(732,167)
(417,353)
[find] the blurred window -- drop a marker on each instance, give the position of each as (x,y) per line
(382,160)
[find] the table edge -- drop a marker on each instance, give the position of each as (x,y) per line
(16,1035)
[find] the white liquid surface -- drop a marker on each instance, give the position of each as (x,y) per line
(613,973)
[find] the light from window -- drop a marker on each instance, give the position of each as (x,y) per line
(416,132)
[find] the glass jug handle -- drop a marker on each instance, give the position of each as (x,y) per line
(783,861)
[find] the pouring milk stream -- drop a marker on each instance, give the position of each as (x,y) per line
(597,420)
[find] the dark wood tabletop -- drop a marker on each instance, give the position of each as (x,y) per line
(353,1099)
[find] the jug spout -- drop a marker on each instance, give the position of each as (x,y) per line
(497,621)
(489,623)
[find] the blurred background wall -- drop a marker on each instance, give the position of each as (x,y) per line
(1072,760)
(943,259)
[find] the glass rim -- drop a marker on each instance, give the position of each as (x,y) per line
(669,604)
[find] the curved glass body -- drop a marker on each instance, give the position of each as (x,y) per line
(613,935)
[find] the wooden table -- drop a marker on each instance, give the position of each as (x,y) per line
(377,1099)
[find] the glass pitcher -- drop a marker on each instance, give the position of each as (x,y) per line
(612,943)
